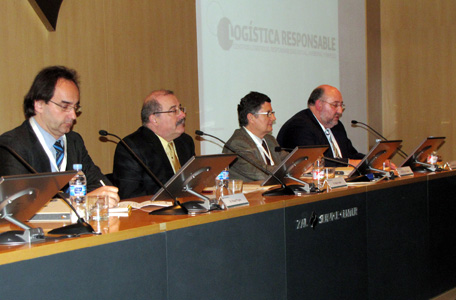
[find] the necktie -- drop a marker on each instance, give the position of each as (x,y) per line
(58,153)
(173,156)
(268,161)
(333,145)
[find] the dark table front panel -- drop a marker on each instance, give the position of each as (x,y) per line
(397,231)
(111,271)
(240,258)
(326,249)
(442,245)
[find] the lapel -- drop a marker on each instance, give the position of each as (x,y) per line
(252,145)
(322,140)
(155,144)
(37,157)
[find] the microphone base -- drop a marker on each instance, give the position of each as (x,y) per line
(169,211)
(189,207)
(281,191)
(81,227)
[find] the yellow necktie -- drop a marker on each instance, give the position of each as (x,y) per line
(173,156)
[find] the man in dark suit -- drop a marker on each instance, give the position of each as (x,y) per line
(51,107)
(254,139)
(319,125)
(160,143)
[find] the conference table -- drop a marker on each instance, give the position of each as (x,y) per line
(389,240)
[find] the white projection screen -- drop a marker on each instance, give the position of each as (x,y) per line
(283,49)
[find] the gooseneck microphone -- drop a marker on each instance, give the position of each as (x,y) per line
(283,190)
(81,227)
(146,168)
(354,122)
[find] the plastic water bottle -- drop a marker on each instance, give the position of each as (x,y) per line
(78,190)
(318,175)
(225,174)
(221,185)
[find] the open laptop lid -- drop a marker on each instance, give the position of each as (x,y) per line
(197,173)
(420,154)
(294,165)
(381,152)
(22,196)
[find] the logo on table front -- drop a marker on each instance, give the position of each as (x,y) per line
(314,219)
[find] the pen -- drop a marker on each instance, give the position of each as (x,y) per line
(102,183)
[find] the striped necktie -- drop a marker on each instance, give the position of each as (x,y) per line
(58,153)
(333,145)
(268,161)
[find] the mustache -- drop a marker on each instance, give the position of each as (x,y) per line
(181,121)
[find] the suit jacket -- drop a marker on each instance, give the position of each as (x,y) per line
(130,176)
(241,142)
(24,141)
(303,129)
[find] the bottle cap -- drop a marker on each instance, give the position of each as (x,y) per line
(77,167)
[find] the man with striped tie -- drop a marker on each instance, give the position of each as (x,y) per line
(319,124)
(254,139)
(45,139)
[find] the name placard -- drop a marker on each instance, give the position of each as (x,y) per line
(452,164)
(235,200)
(336,182)
(404,171)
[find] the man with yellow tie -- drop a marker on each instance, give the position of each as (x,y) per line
(160,142)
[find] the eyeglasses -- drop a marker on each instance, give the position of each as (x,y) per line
(266,113)
(336,105)
(176,111)
(68,107)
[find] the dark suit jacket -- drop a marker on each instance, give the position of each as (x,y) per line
(303,129)
(130,176)
(242,143)
(23,140)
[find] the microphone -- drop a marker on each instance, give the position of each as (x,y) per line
(176,202)
(80,227)
(284,190)
(354,122)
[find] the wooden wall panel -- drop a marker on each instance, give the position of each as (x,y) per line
(418,38)
(121,49)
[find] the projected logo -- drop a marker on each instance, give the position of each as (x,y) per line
(223,34)
(273,40)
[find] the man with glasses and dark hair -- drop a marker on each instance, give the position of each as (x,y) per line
(160,142)
(319,125)
(254,139)
(45,139)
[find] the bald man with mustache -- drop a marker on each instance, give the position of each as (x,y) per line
(160,142)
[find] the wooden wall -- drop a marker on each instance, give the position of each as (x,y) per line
(122,50)
(418,70)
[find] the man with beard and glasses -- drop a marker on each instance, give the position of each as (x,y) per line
(319,125)
(160,143)
(45,139)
